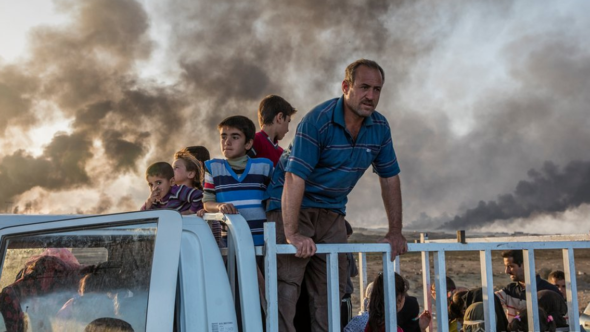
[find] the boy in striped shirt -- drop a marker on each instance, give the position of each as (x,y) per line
(238,183)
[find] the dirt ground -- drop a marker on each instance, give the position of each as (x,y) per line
(464,269)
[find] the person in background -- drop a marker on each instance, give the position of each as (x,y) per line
(274,116)
(557,278)
(474,319)
(189,171)
(513,296)
(358,323)
(108,324)
(456,310)
(520,322)
(376,321)
(554,305)
(450,288)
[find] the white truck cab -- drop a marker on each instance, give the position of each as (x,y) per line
(155,270)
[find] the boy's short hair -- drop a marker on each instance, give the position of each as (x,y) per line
(200,152)
(192,165)
(160,169)
(272,105)
(557,275)
(241,123)
(516,256)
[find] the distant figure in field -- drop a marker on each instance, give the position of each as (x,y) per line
(520,323)
(274,116)
(557,278)
(513,296)
(164,194)
(108,324)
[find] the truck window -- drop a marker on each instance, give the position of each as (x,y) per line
(64,280)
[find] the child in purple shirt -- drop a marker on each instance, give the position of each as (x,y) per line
(165,195)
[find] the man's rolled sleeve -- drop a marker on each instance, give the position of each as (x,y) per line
(385,164)
(305,151)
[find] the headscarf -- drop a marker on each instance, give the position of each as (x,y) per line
(474,318)
(475,295)
(554,305)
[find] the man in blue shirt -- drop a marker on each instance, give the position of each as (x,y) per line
(334,145)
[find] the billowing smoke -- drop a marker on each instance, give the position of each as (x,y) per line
(549,190)
(476,94)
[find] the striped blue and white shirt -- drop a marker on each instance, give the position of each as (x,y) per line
(324,154)
(245,191)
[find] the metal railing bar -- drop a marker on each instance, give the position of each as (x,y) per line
(333,292)
(538,238)
(362,279)
(487,284)
(426,279)
(270,277)
(440,281)
(569,268)
(417,247)
(530,277)
(390,294)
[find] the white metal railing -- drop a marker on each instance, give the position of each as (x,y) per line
(528,244)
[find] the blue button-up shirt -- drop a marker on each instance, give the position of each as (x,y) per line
(325,155)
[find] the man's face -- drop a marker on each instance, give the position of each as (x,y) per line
(233,142)
(282,123)
(159,186)
(516,272)
(559,283)
(362,96)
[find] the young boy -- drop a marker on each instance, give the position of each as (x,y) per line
(238,184)
(557,278)
(274,115)
(165,195)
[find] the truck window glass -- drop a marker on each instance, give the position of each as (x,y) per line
(64,280)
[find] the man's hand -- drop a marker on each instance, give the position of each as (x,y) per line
(399,245)
(227,208)
(305,245)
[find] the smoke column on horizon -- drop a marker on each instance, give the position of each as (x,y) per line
(549,190)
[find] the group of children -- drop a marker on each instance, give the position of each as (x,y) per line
(196,184)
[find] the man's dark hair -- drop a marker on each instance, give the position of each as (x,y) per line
(242,124)
(516,256)
(161,169)
(557,275)
(350,72)
(272,105)
(200,152)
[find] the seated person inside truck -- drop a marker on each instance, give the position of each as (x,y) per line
(238,184)
(557,278)
(165,195)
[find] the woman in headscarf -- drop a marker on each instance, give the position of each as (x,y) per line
(473,321)
(554,305)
